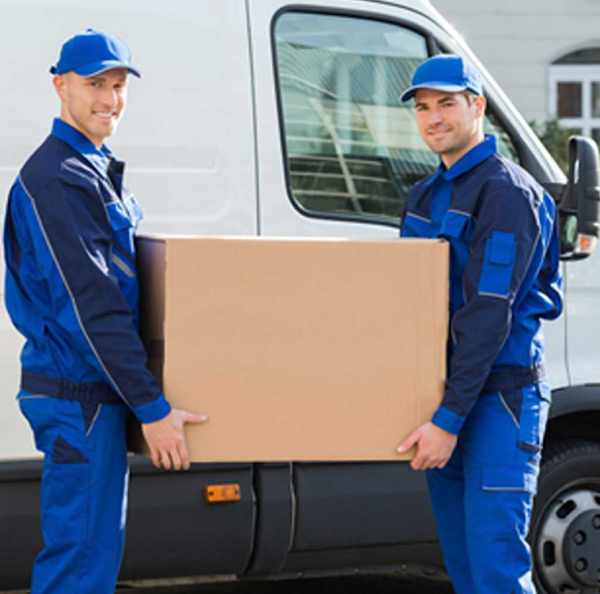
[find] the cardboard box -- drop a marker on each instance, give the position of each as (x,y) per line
(296,349)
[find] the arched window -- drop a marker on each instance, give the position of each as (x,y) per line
(575,91)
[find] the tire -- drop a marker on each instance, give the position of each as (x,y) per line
(565,527)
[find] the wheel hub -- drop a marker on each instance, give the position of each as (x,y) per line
(582,548)
(568,543)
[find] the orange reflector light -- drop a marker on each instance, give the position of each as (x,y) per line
(586,244)
(222,493)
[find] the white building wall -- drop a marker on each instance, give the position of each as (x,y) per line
(517,40)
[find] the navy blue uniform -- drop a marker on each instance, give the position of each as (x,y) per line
(504,278)
(71,290)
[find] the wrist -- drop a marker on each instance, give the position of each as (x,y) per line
(153,411)
(447,420)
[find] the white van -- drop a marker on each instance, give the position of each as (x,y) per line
(282,118)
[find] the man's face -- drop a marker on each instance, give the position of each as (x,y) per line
(93,105)
(449,123)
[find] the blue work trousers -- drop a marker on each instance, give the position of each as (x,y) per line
(482,499)
(84,493)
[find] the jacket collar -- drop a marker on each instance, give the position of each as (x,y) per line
(99,158)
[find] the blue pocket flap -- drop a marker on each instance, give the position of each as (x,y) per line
(498,263)
(118,216)
(135,210)
(453,224)
(509,478)
(416,225)
(534,416)
(501,248)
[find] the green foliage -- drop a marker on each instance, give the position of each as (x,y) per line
(555,139)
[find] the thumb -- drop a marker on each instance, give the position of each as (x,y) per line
(194,418)
(410,441)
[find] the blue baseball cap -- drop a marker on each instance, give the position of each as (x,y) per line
(445,72)
(91,52)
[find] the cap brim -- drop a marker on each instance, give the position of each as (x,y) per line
(100,67)
(411,91)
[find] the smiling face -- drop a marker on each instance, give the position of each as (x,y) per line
(451,124)
(93,105)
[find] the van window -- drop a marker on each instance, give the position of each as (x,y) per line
(352,148)
(492,125)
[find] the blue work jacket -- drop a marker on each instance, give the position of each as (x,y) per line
(71,287)
(504,269)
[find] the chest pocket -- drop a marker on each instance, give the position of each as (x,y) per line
(415,225)
(457,229)
(124,216)
(454,224)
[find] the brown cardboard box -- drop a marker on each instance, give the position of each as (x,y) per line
(297,349)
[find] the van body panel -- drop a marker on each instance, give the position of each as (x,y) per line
(187,135)
(583,319)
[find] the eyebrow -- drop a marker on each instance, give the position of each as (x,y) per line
(102,78)
(449,97)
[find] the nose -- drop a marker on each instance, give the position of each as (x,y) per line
(435,117)
(110,98)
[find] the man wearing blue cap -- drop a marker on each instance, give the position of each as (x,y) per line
(71,290)
(482,447)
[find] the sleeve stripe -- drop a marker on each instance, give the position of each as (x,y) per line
(464,213)
(491,294)
(73,301)
(418,217)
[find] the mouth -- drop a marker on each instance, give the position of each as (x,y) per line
(437,133)
(106,116)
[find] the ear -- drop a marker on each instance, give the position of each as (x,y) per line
(480,105)
(59,83)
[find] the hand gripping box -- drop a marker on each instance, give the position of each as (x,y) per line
(297,349)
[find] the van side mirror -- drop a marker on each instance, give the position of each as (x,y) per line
(580,205)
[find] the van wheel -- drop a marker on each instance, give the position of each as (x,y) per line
(565,528)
